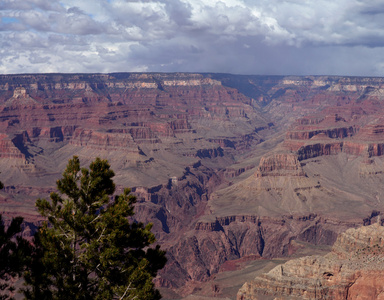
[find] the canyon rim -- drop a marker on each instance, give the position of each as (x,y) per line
(229,168)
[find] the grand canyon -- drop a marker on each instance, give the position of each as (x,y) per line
(238,173)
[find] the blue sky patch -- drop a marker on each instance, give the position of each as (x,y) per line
(7,20)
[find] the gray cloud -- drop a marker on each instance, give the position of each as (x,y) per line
(235,36)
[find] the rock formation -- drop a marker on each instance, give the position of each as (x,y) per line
(225,166)
(280,165)
(353,270)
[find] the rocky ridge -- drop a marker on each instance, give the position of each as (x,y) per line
(353,270)
(225,166)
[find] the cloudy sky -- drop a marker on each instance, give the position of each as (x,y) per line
(300,37)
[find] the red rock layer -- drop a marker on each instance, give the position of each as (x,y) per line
(8,148)
(353,270)
(279,165)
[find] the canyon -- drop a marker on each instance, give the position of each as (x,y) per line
(232,170)
(352,270)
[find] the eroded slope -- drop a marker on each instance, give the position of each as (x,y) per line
(224,166)
(353,270)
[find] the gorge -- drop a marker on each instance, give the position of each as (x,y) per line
(230,169)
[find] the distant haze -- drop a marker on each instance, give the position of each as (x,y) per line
(282,37)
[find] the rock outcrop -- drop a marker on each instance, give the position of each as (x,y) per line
(224,166)
(234,237)
(280,165)
(353,270)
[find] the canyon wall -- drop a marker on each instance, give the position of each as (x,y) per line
(224,166)
(353,270)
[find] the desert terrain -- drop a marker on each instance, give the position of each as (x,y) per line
(238,173)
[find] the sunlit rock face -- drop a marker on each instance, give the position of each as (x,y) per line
(224,166)
(353,270)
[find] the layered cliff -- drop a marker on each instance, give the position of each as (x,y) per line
(353,270)
(112,115)
(226,167)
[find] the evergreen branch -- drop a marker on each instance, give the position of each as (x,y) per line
(126,290)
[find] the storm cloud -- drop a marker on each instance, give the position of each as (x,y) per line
(344,37)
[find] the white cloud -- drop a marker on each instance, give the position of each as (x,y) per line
(239,36)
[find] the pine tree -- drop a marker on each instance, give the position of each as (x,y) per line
(88,248)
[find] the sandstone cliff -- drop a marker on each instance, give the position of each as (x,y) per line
(226,167)
(353,270)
